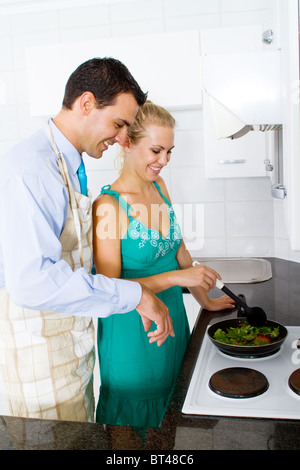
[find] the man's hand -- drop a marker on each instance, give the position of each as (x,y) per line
(151,308)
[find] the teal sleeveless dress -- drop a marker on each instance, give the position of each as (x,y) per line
(137,377)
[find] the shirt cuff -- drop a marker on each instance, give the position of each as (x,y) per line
(130,294)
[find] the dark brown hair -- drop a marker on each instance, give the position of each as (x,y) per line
(106,78)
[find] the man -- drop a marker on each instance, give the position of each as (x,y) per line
(47,296)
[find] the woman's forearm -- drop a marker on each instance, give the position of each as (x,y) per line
(201,296)
(185,260)
(193,277)
(160,282)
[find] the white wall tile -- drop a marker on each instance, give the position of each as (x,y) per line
(5,25)
(188,119)
(22,41)
(214,220)
(212,247)
(249,219)
(294,256)
(98,179)
(244,5)
(6,61)
(136,11)
(189,149)
(21,87)
(106,162)
(27,125)
(280,226)
(282,249)
(39,21)
(250,247)
(191,186)
(243,18)
(190,7)
(7,89)
(5,145)
(218,41)
(191,218)
(8,123)
(85,34)
(248,189)
(186,23)
(83,16)
(137,28)
(166,176)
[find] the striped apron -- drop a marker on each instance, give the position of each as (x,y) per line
(46,358)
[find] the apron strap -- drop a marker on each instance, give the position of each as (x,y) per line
(65,175)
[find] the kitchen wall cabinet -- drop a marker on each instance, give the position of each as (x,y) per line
(167,65)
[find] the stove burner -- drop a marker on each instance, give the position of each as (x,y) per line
(294,381)
(238,382)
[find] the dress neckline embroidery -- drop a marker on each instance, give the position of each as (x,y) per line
(140,232)
(107,190)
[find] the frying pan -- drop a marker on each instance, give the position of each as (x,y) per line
(249,352)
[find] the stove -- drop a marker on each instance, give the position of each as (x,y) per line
(267,387)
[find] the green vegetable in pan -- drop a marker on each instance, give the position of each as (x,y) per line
(247,335)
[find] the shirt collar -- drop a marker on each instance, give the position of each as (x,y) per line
(70,153)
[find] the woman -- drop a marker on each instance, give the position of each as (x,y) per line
(136,236)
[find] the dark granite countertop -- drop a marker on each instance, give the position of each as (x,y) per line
(280,297)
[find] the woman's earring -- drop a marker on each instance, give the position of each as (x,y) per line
(127,144)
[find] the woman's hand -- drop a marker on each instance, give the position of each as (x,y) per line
(200,294)
(151,308)
(222,303)
(197,276)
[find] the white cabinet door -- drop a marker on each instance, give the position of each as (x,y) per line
(167,65)
(192,309)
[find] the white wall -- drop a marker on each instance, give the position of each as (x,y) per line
(240,217)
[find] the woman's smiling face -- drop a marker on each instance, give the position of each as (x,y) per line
(152,152)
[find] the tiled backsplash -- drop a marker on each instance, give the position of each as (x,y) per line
(240,217)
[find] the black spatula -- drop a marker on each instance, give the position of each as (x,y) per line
(256,316)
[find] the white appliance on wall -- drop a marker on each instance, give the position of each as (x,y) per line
(247,95)
(242,91)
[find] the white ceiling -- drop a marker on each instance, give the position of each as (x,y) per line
(28,6)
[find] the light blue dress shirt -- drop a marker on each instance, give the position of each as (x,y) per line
(33,212)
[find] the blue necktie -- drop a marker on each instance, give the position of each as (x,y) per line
(82,178)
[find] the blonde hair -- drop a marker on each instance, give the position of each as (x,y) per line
(148,113)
